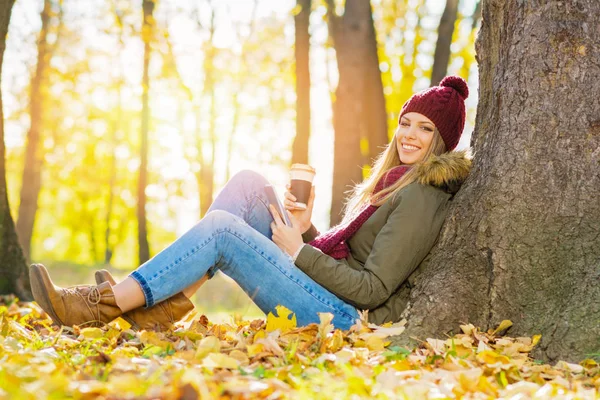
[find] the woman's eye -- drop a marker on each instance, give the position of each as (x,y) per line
(427,129)
(403,124)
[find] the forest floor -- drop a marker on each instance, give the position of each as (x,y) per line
(271,358)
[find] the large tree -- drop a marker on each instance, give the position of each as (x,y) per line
(521,241)
(301,51)
(31,182)
(13,270)
(359,108)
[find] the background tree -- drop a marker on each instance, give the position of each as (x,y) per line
(521,239)
(207,147)
(13,270)
(302,51)
(441,57)
(359,107)
(147,33)
(33,153)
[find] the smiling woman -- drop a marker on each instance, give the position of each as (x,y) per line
(363,264)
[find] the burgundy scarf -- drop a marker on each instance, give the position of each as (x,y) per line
(333,242)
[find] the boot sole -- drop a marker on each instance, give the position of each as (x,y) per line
(37,279)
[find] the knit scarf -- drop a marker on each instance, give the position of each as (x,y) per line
(334,241)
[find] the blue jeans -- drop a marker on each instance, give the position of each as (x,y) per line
(235,237)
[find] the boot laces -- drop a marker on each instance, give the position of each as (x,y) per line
(93,296)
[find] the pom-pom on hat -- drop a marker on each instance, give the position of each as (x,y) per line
(444,105)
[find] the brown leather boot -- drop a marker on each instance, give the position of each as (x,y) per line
(161,316)
(77,305)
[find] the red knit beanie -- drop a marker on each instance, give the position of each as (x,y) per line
(444,105)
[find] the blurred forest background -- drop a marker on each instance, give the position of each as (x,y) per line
(125,118)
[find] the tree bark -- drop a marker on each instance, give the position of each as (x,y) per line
(441,57)
(375,110)
(147,32)
(521,239)
(302,50)
(355,101)
(13,269)
(31,182)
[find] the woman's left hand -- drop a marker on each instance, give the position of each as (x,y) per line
(287,238)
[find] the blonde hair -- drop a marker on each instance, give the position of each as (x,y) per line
(362,194)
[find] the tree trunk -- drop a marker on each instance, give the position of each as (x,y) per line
(147,32)
(356,52)
(521,239)
(13,269)
(302,50)
(441,57)
(375,113)
(207,174)
(31,182)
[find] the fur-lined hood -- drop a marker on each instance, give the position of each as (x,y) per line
(447,171)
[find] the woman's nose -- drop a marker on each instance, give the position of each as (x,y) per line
(411,132)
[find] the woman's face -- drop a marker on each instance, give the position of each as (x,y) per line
(413,137)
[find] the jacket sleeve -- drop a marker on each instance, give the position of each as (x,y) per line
(310,234)
(406,238)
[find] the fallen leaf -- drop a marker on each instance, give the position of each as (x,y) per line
(282,320)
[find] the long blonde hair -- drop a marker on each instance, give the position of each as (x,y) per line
(362,194)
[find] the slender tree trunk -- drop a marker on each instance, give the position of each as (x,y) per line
(302,50)
(356,52)
(147,32)
(375,110)
(206,182)
(31,182)
(108,248)
(521,238)
(441,57)
(237,108)
(13,269)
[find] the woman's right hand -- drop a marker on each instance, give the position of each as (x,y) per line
(303,216)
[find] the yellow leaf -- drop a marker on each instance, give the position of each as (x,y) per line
(325,325)
(535,339)
(153,338)
(120,324)
(467,329)
(91,333)
(210,344)
(219,360)
(240,356)
(336,342)
(504,325)
(375,343)
(296,10)
(282,321)
(254,349)
(491,357)
(259,335)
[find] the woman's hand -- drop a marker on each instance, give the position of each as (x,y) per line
(288,239)
(303,216)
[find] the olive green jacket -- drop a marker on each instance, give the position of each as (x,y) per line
(391,244)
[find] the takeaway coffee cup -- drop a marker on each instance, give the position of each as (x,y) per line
(301,178)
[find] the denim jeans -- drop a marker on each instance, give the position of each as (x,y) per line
(235,238)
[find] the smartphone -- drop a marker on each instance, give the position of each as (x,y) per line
(274,200)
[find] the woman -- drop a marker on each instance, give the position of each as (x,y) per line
(391,222)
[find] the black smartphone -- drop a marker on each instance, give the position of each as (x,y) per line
(274,200)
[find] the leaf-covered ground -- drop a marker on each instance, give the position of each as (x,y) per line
(270,359)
